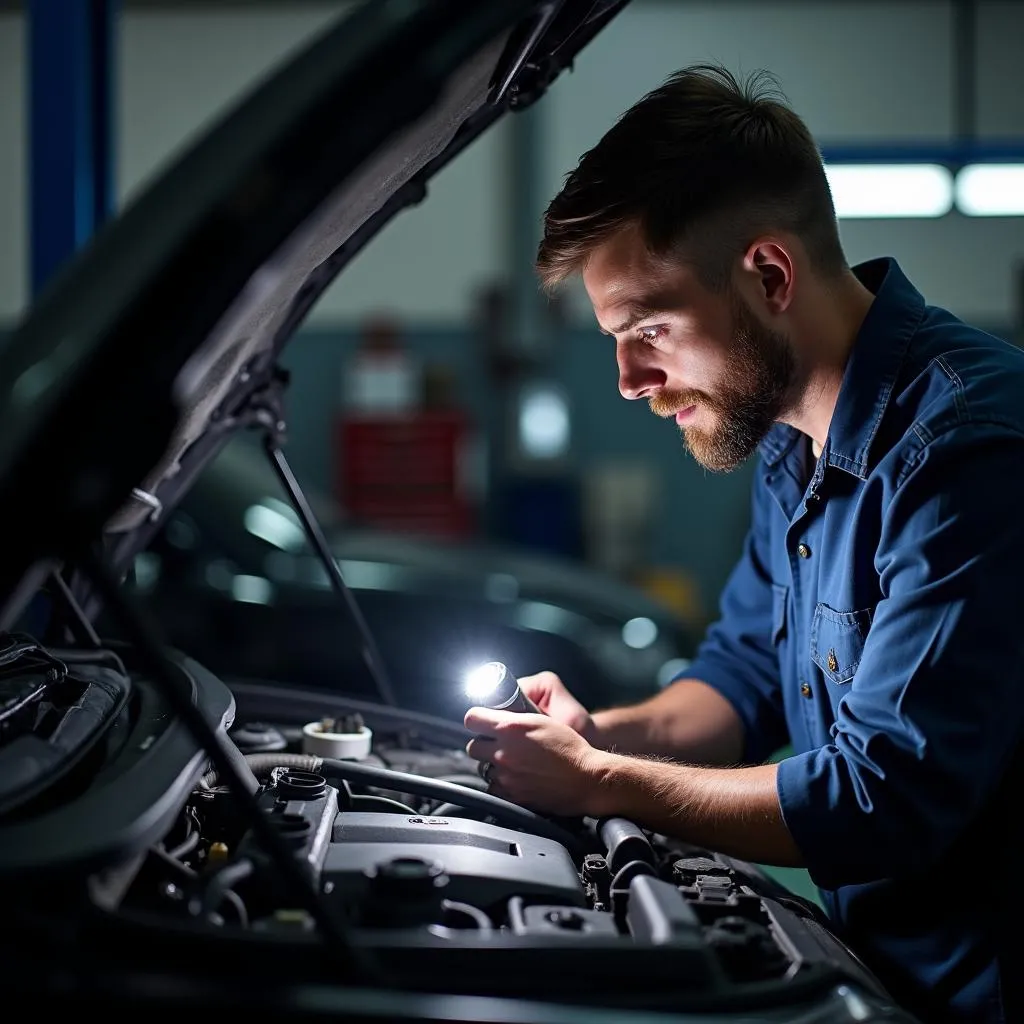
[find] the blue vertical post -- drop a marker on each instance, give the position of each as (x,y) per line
(70,91)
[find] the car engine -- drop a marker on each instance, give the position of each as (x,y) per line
(141,855)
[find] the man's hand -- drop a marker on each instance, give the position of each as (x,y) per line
(548,692)
(538,762)
(545,765)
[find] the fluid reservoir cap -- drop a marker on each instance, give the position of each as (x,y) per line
(320,738)
(294,784)
(408,879)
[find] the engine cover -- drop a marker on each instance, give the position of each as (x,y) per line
(485,864)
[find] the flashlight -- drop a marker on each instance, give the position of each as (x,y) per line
(493,686)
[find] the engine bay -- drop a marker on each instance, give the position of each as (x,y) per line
(140,852)
(139,855)
(411,876)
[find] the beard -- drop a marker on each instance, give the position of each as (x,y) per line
(757,384)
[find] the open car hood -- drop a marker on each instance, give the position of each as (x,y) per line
(161,338)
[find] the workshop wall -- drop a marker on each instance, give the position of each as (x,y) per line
(179,70)
(857,70)
(700,519)
(422,265)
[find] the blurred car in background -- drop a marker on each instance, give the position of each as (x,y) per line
(232,579)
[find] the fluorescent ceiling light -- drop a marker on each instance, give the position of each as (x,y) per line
(991,190)
(890,190)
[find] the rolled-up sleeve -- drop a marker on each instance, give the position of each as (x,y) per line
(935,709)
(738,657)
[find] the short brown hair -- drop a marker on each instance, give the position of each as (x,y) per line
(702,160)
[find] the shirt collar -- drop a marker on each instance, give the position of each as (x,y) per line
(870,374)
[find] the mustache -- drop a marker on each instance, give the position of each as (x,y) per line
(668,403)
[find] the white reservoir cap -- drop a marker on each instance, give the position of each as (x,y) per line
(347,746)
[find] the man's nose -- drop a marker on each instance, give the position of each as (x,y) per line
(639,374)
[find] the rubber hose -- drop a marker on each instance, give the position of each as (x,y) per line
(448,811)
(629,871)
(382,804)
(402,782)
(625,842)
(472,781)
(261,764)
(217,883)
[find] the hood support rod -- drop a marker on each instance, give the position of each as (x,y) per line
(76,620)
(359,963)
(371,655)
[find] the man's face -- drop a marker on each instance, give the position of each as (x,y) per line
(700,357)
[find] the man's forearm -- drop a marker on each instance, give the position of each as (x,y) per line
(733,810)
(689,721)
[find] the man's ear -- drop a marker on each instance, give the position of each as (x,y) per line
(769,267)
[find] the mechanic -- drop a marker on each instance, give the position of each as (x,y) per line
(873,617)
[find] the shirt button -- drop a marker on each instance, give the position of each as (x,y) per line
(805,689)
(803,551)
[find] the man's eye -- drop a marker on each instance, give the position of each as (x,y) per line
(649,335)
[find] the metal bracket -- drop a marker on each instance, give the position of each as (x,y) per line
(264,409)
(154,503)
(518,79)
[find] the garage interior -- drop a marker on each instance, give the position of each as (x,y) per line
(435,393)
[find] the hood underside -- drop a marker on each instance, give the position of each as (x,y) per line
(161,338)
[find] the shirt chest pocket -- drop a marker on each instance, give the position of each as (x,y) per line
(837,641)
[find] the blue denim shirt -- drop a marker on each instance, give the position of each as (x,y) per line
(875,620)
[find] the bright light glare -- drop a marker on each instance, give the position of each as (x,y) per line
(147,571)
(890,190)
(544,423)
(274,526)
(482,681)
(252,589)
(991,190)
(639,633)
